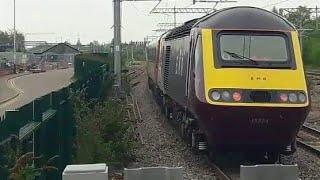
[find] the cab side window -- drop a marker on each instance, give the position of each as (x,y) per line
(198,54)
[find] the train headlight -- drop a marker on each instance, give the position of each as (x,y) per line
(215,95)
(226,96)
(302,97)
(236,96)
(293,97)
(283,97)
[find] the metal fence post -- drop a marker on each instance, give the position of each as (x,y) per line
(12,122)
(56,104)
(39,137)
(52,137)
(68,124)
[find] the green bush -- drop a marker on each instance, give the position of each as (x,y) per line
(311,49)
(103,135)
(84,64)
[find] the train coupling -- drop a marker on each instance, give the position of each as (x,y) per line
(269,171)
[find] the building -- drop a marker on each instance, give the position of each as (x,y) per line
(58,55)
(58,52)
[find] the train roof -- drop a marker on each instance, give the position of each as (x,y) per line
(181,31)
(237,18)
(244,17)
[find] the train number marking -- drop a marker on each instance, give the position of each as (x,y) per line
(259,121)
(179,63)
(258,78)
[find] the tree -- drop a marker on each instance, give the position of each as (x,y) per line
(4,37)
(301,18)
(6,40)
(79,43)
(19,41)
(275,10)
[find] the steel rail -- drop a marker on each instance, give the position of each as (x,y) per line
(305,144)
(308,147)
(313,73)
(311,130)
(219,173)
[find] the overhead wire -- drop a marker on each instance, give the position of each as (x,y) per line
(135,7)
(283,1)
(156,6)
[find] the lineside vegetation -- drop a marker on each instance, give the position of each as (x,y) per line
(103,135)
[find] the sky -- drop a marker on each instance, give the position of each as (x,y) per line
(89,20)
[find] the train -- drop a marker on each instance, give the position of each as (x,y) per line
(232,81)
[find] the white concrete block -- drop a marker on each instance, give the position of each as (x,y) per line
(86,172)
(154,173)
(269,172)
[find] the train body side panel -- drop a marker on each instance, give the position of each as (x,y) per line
(159,70)
(151,66)
(175,68)
(152,54)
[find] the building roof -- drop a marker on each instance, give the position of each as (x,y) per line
(61,48)
(39,49)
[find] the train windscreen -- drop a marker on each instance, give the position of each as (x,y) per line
(253,47)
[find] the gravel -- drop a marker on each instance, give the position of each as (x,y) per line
(313,119)
(309,165)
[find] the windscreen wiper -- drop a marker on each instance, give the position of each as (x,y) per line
(235,55)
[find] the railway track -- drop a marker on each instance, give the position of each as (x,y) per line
(313,73)
(221,173)
(309,138)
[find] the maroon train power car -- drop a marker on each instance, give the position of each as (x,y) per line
(232,80)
